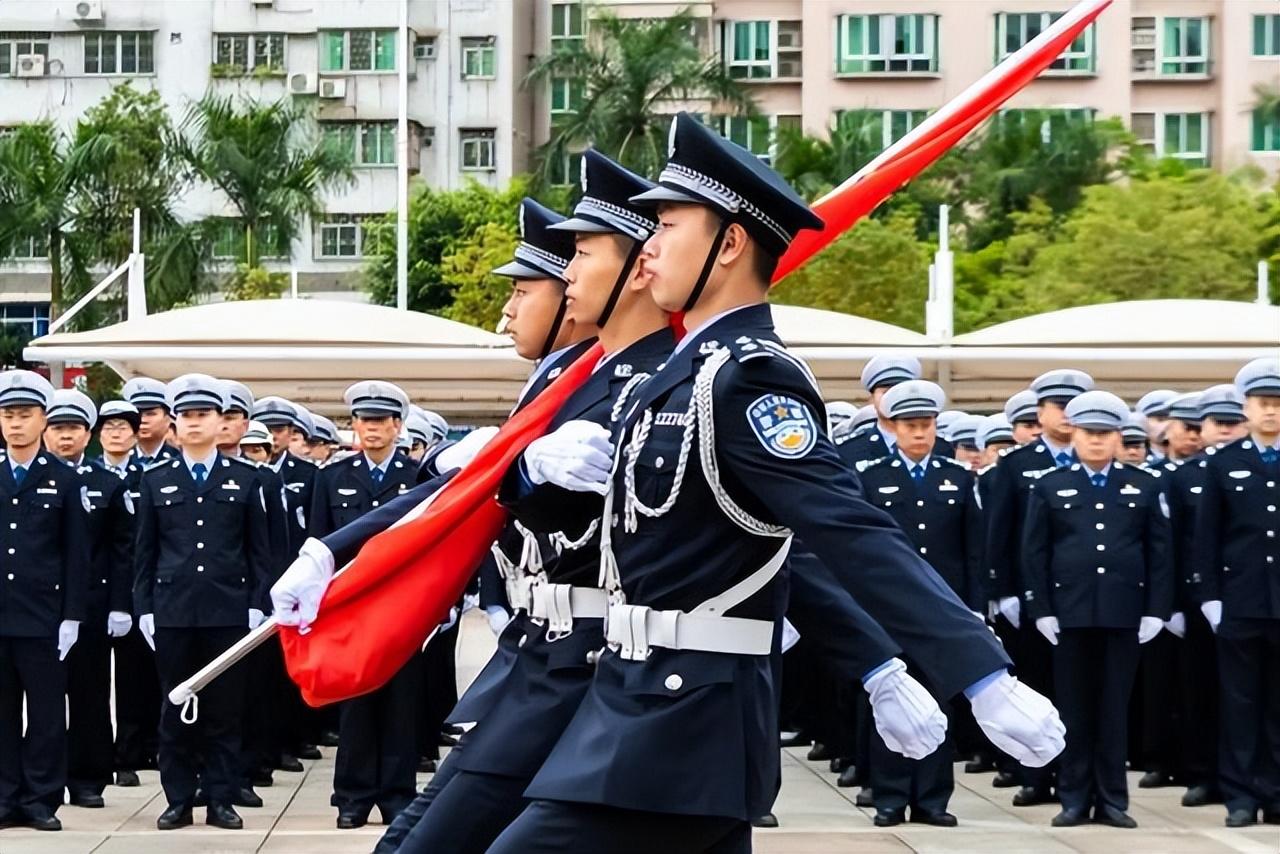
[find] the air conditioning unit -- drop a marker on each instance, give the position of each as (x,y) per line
(29,65)
(302,83)
(88,11)
(333,88)
(425,49)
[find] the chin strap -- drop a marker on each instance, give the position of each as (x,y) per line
(616,293)
(554,331)
(707,265)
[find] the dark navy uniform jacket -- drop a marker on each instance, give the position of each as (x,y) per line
(44,548)
(111,530)
(344,491)
(1097,556)
(202,556)
(1184,484)
(1237,544)
(868,446)
(1005,506)
(694,732)
(166,452)
(278,529)
(298,477)
(940,516)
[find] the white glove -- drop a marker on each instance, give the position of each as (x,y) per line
(1177,624)
(469,601)
(577,456)
(1212,611)
(1019,721)
(118,624)
(147,625)
(1148,628)
(1048,626)
(790,635)
(463,451)
(255,618)
(993,609)
(1011,607)
(907,717)
(68,634)
(452,619)
(295,598)
(498,618)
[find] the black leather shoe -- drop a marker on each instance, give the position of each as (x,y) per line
(848,778)
(1242,818)
(328,738)
(937,819)
(979,766)
(819,752)
(87,800)
(246,797)
(839,764)
(766,820)
(201,799)
(1113,817)
(309,751)
(223,816)
(10,819)
(1069,818)
(42,820)
(262,779)
(1004,780)
(865,798)
(1271,816)
(795,739)
(889,818)
(290,764)
(1028,796)
(127,779)
(351,820)
(1154,780)
(176,816)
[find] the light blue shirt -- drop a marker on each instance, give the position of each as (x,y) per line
(386,464)
(890,439)
(207,462)
(690,334)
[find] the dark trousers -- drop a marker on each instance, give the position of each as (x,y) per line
(1094,671)
(1249,758)
(137,702)
(1158,715)
(89,741)
(558,827)
(377,760)
(1198,702)
(439,686)
(264,712)
(925,785)
(206,752)
(409,817)
(1034,662)
(33,767)
(467,814)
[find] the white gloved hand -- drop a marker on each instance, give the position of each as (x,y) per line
(450,621)
(1011,607)
(1048,626)
(906,715)
(1019,721)
(295,598)
(1148,628)
(498,618)
(463,451)
(577,456)
(68,634)
(1177,624)
(469,601)
(118,624)
(255,618)
(1212,611)
(147,625)
(993,609)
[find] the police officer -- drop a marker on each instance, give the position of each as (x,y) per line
(1023,411)
(202,557)
(70,418)
(1182,428)
(324,441)
(861,421)
(286,422)
(1133,437)
(964,441)
(154,419)
(377,736)
(993,435)
(1234,572)
(255,445)
(879,374)
(932,500)
(1154,407)
(1095,559)
(43,601)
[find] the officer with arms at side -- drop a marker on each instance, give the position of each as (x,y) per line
(155,419)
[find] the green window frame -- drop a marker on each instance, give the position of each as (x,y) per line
(1015,29)
(479,58)
(1184,46)
(357,51)
(1266,35)
(881,128)
(1265,131)
(1185,137)
(887,44)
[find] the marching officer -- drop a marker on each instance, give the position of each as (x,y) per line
(71,418)
(377,736)
(932,500)
(1095,560)
(154,419)
(1236,574)
(43,600)
(202,558)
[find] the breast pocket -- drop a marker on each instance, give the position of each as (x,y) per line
(656,472)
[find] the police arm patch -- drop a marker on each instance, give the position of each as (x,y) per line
(784,425)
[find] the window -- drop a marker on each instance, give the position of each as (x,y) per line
(566,95)
(886,44)
(1014,30)
(880,128)
(758,134)
(351,235)
(1266,131)
(24,319)
(1183,136)
(1047,119)
(1266,35)
(479,58)
(118,53)
(761,50)
(365,143)
(229,241)
(27,248)
(14,45)
(566,23)
(357,50)
(478,150)
(1184,46)
(243,52)
(566,169)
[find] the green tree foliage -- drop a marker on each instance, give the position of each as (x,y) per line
(250,283)
(479,295)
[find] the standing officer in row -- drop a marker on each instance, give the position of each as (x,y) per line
(1182,427)
(1154,407)
(43,601)
(71,418)
(1133,437)
(1236,572)
(879,374)
(202,558)
(154,419)
(1095,555)
(1023,412)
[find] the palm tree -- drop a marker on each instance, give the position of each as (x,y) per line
(814,165)
(268,159)
(634,74)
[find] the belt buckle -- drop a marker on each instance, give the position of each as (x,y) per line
(559,608)
(628,628)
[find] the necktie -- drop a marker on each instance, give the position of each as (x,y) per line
(1270,456)
(1063,459)
(19,475)
(917,473)
(146,461)
(198,471)
(1098,479)
(376,474)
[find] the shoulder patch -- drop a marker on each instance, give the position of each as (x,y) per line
(784,425)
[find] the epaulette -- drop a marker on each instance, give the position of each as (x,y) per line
(745,348)
(1172,466)
(986,468)
(172,463)
(1149,472)
(1009,450)
(863,465)
(1213,449)
(952,460)
(242,461)
(84,469)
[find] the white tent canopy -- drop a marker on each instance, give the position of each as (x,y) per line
(310,350)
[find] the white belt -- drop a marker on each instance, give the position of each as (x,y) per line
(635,629)
(561,604)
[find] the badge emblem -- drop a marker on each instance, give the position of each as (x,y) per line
(783,425)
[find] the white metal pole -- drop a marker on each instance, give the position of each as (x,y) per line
(944,277)
(1264,286)
(402,165)
(293,283)
(136,295)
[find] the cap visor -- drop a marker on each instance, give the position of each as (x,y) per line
(520,270)
(667,194)
(577,225)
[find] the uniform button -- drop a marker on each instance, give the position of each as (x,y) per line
(199,545)
(1271,508)
(199,523)
(592,657)
(674,682)
(659,461)
(923,550)
(919,503)
(199,499)
(922,526)
(1099,507)
(1270,559)
(13,526)
(375,504)
(199,569)
(1271,533)
(1100,526)
(1102,570)
(13,551)
(1271,483)
(1101,547)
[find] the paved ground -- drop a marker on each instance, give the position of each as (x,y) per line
(816,818)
